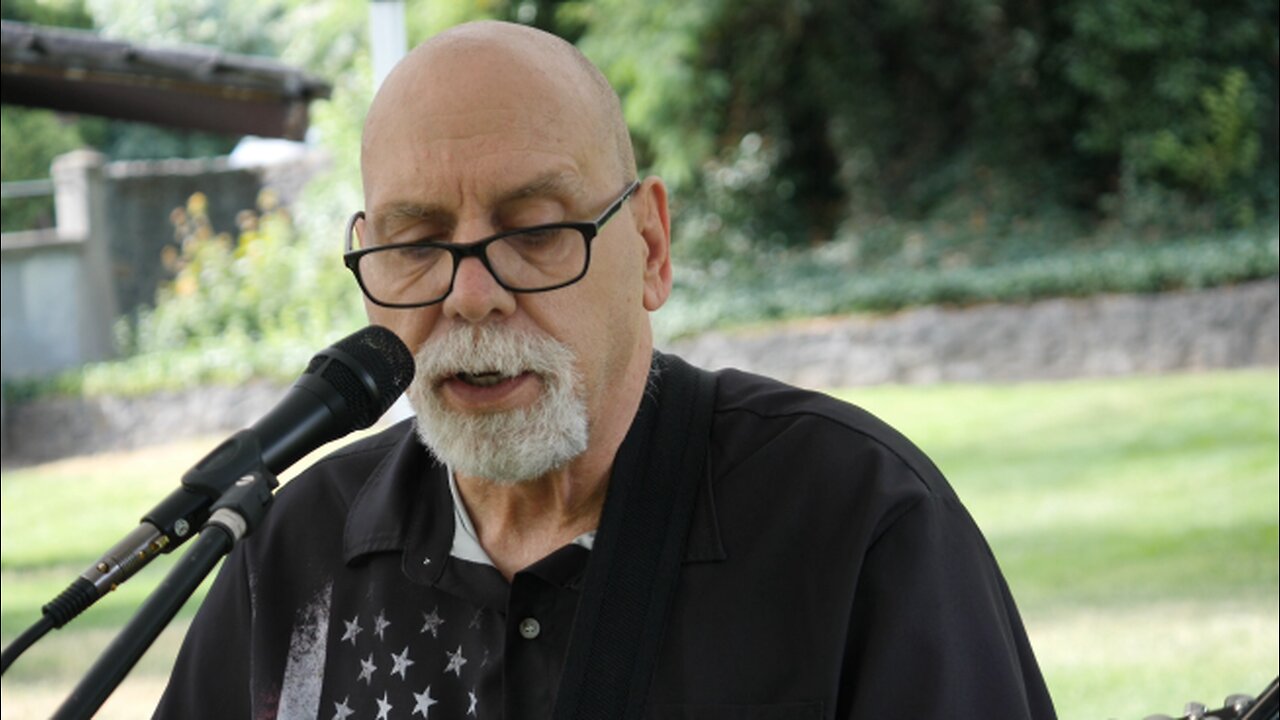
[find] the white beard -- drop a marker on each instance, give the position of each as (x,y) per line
(511,447)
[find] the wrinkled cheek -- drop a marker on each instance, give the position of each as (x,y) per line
(412,326)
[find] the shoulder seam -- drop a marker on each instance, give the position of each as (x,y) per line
(906,462)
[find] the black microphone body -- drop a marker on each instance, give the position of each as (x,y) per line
(346,387)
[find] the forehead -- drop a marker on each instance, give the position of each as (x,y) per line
(471,121)
(559,188)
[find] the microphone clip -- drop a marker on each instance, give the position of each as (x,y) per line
(241,508)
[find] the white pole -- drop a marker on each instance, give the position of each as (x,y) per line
(387,37)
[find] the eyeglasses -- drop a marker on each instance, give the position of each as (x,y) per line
(524,260)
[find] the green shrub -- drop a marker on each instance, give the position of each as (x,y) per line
(43,137)
(255,305)
(783,285)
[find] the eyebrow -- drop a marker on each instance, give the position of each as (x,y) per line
(553,183)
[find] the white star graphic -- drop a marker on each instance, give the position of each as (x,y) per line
(353,629)
(431,623)
(366,670)
(456,661)
(401,662)
(384,707)
(423,702)
(380,623)
(341,711)
(474,700)
(475,621)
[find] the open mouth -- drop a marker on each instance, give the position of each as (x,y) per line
(484,379)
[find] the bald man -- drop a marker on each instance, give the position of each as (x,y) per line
(574,525)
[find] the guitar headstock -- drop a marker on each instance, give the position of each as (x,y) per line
(1235,707)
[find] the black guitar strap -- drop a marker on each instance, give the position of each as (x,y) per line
(635,562)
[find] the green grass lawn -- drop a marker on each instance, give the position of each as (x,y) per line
(1135,519)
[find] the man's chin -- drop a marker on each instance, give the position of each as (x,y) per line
(485,475)
(507,434)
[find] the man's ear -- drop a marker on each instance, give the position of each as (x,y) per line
(653,221)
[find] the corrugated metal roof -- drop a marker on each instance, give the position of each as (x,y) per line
(186,86)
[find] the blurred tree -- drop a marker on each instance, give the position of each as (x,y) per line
(248,27)
(795,120)
(61,13)
(987,110)
(44,136)
(1154,78)
(40,135)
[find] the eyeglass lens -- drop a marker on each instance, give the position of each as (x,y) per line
(533,259)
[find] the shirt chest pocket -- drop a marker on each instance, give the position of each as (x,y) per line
(783,711)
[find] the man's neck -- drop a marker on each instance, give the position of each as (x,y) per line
(519,524)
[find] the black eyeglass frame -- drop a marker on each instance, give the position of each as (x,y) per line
(479,250)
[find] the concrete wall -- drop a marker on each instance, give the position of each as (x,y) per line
(64,289)
(43,305)
(58,297)
(142,195)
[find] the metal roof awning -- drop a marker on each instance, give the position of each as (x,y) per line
(189,87)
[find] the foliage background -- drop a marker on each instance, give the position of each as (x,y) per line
(825,156)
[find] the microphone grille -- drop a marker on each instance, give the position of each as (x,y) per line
(381,368)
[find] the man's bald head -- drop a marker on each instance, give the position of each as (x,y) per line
(560,87)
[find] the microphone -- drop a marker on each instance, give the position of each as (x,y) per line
(346,387)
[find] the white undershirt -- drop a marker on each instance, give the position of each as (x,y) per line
(466,544)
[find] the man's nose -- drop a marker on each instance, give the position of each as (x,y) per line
(476,294)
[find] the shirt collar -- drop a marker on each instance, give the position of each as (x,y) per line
(404,503)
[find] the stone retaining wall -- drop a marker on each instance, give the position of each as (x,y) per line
(1099,336)
(1108,335)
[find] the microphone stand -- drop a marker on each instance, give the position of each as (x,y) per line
(237,513)
(167,526)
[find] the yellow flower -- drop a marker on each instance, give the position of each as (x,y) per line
(197,204)
(185,285)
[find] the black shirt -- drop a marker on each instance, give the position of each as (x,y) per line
(830,572)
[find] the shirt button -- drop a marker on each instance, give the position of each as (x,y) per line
(530,628)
